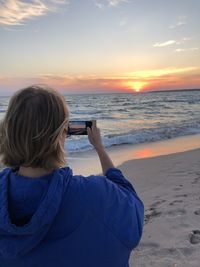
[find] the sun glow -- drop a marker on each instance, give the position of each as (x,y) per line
(137,86)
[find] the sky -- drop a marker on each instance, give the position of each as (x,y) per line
(94,46)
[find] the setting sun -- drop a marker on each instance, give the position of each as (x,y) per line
(137,89)
(137,86)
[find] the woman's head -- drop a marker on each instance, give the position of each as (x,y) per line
(33,129)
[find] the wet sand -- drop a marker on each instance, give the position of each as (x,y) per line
(87,163)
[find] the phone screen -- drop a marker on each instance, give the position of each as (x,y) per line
(78,127)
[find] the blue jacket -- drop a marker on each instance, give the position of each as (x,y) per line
(65,220)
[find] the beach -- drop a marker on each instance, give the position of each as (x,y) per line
(154,138)
(169,185)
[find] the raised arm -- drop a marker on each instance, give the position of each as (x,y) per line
(112,198)
(94,137)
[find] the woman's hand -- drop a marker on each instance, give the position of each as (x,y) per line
(94,136)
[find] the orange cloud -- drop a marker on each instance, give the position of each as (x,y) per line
(148,74)
(167,78)
(157,79)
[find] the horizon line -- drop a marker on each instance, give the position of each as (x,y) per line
(110,93)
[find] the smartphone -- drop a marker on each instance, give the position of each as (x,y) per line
(78,127)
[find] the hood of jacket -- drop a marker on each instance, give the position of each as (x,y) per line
(28,207)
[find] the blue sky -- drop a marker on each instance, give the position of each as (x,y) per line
(100,46)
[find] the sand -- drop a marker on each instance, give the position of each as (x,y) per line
(169,186)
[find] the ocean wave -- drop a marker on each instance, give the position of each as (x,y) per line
(140,136)
(133,118)
(85,112)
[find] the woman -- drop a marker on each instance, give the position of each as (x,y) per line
(48,216)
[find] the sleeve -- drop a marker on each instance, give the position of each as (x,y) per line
(113,200)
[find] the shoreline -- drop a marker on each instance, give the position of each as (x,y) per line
(87,162)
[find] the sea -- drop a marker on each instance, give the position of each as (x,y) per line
(135,118)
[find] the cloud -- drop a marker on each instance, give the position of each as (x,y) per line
(181,20)
(167,43)
(99,5)
(187,77)
(145,75)
(108,3)
(176,42)
(116,81)
(116,2)
(59,2)
(16,12)
(184,39)
(148,74)
(166,78)
(178,50)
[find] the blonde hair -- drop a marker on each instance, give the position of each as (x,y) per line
(30,133)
